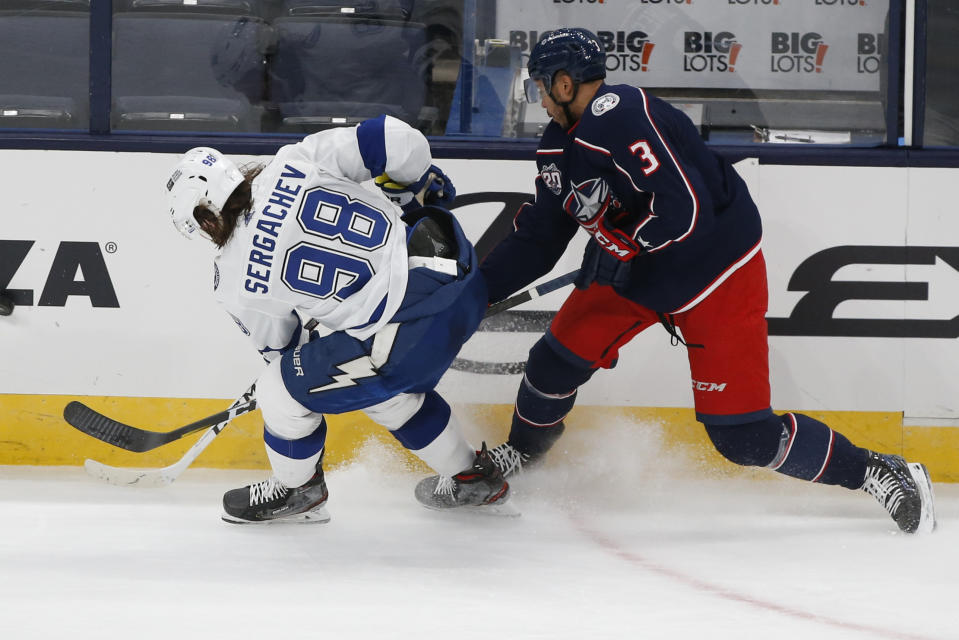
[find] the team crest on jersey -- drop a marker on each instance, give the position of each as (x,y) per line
(604,103)
(240,324)
(552,178)
(587,201)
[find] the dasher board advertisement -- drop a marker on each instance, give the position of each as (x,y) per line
(820,45)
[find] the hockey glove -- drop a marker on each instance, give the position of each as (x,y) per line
(617,241)
(612,227)
(439,188)
(434,187)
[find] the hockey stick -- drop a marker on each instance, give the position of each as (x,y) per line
(104,426)
(533,292)
(139,440)
(166,475)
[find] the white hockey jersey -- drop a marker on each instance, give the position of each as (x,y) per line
(319,245)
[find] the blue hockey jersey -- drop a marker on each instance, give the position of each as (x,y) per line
(635,157)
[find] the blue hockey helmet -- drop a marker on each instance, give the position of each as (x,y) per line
(576,51)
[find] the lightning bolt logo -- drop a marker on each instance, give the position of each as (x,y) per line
(353,370)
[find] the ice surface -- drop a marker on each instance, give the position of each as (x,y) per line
(621,540)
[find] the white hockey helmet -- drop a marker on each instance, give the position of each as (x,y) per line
(203,177)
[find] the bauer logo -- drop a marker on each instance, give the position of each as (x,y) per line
(795,52)
(77,269)
(869,52)
(708,51)
(625,50)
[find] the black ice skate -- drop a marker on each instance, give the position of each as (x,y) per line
(508,459)
(481,487)
(904,489)
(270,501)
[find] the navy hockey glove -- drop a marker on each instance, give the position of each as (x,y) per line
(439,188)
(434,187)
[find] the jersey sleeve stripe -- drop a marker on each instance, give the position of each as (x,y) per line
(594,147)
(549,152)
(679,168)
(371,138)
(606,152)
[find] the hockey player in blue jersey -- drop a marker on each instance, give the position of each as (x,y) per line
(359,298)
(675,239)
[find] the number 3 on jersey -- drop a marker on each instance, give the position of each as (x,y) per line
(354,227)
(642,149)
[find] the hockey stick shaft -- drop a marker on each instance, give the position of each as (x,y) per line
(532,293)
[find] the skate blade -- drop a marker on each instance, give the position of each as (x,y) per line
(927,517)
(500,510)
(317,515)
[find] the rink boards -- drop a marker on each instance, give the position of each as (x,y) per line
(114,308)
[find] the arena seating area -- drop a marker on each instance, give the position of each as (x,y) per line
(218,65)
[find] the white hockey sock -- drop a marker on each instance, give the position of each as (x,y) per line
(292,472)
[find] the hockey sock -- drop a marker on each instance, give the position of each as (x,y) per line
(433,434)
(545,397)
(810,450)
(753,444)
(794,445)
(294,461)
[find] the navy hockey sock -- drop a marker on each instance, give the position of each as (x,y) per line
(300,448)
(810,450)
(426,424)
(795,445)
(545,397)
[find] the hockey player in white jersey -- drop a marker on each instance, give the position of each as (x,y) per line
(358,298)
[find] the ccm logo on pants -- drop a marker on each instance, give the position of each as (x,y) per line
(708,386)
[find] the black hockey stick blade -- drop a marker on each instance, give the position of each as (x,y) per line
(135,439)
(533,292)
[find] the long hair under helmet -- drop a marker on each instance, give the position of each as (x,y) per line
(576,51)
(205,178)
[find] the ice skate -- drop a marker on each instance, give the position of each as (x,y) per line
(903,489)
(479,488)
(508,459)
(270,501)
